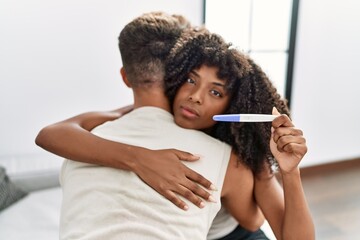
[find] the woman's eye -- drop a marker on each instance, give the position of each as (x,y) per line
(216,93)
(189,80)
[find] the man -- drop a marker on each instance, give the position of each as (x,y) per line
(143,71)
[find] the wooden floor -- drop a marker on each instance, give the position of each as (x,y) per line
(333,194)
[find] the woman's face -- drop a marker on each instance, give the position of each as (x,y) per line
(201,97)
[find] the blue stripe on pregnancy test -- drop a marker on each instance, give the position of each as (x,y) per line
(244,118)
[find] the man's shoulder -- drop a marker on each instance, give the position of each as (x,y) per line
(197,135)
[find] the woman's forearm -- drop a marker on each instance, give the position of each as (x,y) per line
(71,141)
(160,169)
(297,218)
(270,198)
(285,208)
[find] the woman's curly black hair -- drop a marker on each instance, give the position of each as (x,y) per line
(249,88)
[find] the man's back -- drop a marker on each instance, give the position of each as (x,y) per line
(113,204)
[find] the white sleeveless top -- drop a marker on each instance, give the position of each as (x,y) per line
(222,225)
(106,203)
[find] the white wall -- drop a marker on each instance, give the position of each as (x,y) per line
(325,101)
(60,58)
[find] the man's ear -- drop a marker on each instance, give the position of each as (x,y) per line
(124,77)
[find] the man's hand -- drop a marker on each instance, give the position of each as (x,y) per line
(287,143)
(163,171)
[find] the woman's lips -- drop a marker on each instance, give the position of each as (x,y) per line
(189,112)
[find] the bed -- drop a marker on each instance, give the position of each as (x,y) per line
(36,216)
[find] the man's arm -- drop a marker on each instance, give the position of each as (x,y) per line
(160,169)
(286,210)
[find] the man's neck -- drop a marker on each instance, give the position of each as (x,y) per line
(153,97)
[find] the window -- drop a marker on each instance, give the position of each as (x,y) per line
(264,29)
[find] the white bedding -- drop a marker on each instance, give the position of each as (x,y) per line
(34,217)
(37,217)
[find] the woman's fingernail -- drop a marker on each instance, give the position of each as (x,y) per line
(275,111)
(212,199)
(213,187)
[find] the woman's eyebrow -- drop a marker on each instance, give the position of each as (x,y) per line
(195,73)
(217,83)
(220,84)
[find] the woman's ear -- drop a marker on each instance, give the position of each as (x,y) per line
(123,75)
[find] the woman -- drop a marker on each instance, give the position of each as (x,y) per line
(251,93)
(207,73)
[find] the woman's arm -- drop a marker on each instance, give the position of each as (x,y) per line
(238,195)
(71,139)
(160,169)
(286,210)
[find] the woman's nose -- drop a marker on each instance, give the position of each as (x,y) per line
(195,97)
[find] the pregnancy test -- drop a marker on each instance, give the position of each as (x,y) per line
(244,118)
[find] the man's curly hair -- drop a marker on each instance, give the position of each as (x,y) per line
(249,88)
